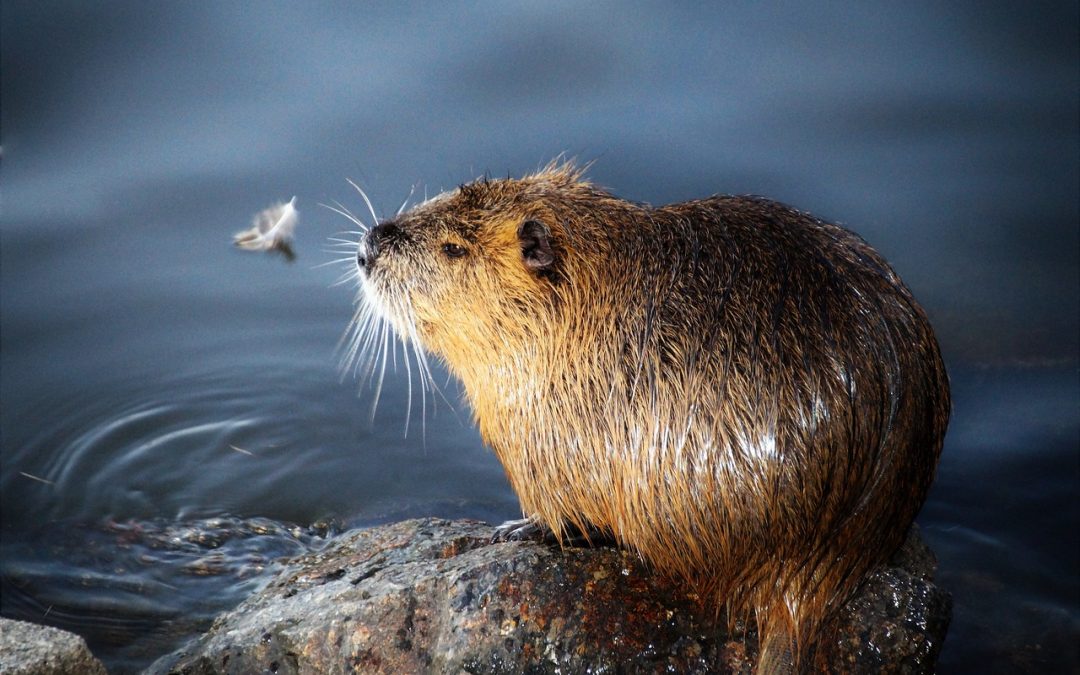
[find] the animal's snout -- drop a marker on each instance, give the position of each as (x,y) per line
(362,255)
(375,241)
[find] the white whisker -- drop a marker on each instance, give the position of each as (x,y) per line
(369,349)
(406,202)
(348,353)
(425,377)
(345,278)
(408,378)
(357,336)
(367,201)
(393,352)
(336,261)
(366,368)
(341,210)
(421,357)
(382,370)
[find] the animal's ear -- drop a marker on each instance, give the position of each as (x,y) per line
(535,240)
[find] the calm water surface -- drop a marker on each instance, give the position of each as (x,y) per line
(172,417)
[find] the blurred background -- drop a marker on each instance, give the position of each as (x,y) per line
(156,382)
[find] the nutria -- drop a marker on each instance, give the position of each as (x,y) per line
(747,396)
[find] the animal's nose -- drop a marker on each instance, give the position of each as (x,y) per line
(363,256)
(384,232)
(374,241)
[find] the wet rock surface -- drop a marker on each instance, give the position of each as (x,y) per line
(30,649)
(433,595)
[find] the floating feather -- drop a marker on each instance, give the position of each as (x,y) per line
(271,230)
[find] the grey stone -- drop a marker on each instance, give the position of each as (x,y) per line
(30,649)
(436,596)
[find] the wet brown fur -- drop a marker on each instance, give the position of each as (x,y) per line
(747,396)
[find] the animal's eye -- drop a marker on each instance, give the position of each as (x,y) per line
(453,250)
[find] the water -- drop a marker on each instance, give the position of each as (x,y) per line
(158,379)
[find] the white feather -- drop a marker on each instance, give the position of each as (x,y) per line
(272,228)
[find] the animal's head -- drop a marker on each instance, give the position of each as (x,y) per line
(481,264)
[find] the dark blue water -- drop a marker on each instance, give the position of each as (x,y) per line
(157,379)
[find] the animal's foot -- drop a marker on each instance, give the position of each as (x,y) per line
(523,529)
(528,529)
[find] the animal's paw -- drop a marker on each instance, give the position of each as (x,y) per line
(524,529)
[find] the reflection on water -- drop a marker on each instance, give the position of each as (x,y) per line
(153,378)
(137,588)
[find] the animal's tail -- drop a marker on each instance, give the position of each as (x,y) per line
(777,655)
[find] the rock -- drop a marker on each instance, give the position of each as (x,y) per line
(30,649)
(897,621)
(436,596)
